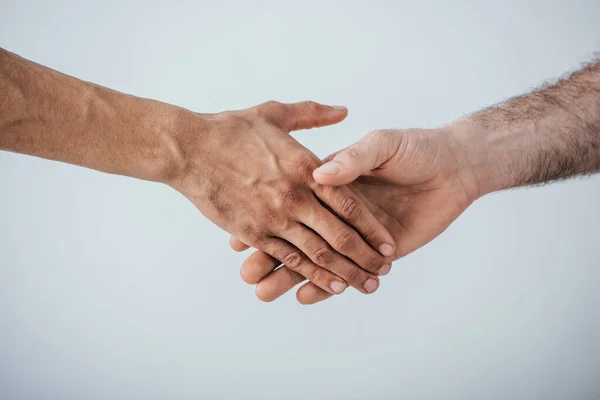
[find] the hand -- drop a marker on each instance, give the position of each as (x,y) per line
(241,169)
(245,173)
(417,182)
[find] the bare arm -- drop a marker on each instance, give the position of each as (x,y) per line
(549,134)
(51,115)
(241,169)
(421,180)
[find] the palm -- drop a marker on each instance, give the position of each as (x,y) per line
(414,207)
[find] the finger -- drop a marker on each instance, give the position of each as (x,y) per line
(345,240)
(310,294)
(258,269)
(257,266)
(237,245)
(295,260)
(322,255)
(272,282)
(343,202)
(363,156)
(390,224)
(303,115)
(277,283)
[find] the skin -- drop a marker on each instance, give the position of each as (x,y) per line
(241,169)
(420,181)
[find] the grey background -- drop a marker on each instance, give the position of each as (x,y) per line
(117,288)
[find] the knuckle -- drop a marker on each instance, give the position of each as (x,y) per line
(318,275)
(229,121)
(353,154)
(302,165)
(252,234)
(349,208)
(270,104)
(289,196)
(266,109)
(370,234)
(354,275)
(373,264)
(272,215)
(345,241)
(283,224)
(292,259)
(313,106)
(323,256)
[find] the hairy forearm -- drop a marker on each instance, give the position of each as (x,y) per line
(549,134)
(51,115)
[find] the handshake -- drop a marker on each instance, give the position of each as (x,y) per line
(338,222)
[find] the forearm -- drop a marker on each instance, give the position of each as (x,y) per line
(51,115)
(552,133)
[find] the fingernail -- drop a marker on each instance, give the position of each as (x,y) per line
(341,108)
(329,168)
(384,270)
(337,286)
(386,249)
(371,285)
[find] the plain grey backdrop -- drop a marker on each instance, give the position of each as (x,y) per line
(114,288)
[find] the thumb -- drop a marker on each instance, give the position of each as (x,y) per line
(304,115)
(350,163)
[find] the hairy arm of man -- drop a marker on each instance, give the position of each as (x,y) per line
(241,169)
(420,180)
(552,133)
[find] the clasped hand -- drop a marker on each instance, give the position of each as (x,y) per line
(244,172)
(415,182)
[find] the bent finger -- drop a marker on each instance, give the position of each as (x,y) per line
(257,266)
(237,245)
(289,254)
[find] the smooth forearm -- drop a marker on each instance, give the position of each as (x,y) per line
(552,133)
(51,115)
(241,169)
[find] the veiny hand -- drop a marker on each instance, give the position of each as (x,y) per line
(416,181)
(241,169)
(251,178)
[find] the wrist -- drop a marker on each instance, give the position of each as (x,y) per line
(157,130)
(487,155)
(58,117)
